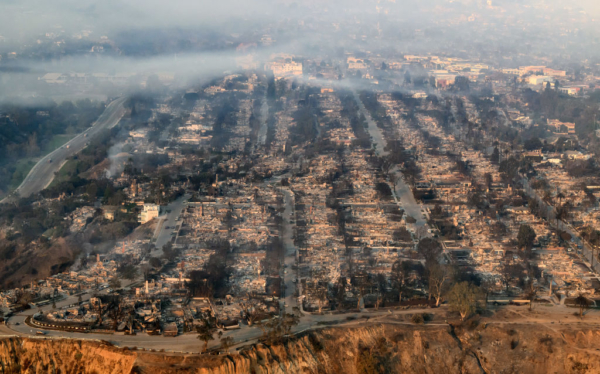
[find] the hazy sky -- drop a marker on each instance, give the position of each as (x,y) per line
(302,27)
(28,19)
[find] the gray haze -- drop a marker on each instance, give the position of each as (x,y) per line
(201,39)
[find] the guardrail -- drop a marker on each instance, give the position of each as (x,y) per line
(43,325)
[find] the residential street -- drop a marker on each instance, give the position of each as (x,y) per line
(290,251)
(403,190)
(586,248)
(167,221)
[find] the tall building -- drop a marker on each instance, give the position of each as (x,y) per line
(149,212)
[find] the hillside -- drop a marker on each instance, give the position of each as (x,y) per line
(478,348)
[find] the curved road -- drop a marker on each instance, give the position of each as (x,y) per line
(188,342)
(42,174)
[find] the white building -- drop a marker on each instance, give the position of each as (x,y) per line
(282,69)
(537,79)
(576,155)
(149,212)
(356,64)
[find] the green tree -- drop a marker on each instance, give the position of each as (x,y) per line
(92,191)
(402,235)
(24,298)
(32,145)
(226,343)
(488,180)
(495,157)
(430,249)
(526,237)
(170,253)
(207,329)
(276,329)
(509,168)
(463,298)
(155,262)
(462,83)
(128,271)
(114,283)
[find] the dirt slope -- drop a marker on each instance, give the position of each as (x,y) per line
(479,348)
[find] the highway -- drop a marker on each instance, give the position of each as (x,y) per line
(42,174)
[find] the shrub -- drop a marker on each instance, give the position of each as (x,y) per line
(316,343)
(418,319)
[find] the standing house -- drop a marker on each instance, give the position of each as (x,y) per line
(149,212)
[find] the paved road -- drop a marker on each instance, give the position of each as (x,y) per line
(403,190)
(264,116)
(169,219)
(186,342)
(290,251)
(23,329)
(587,249)
(249,335)
(42,174)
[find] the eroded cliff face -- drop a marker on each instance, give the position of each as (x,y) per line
(495,348)
(62,356)
(501,348)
